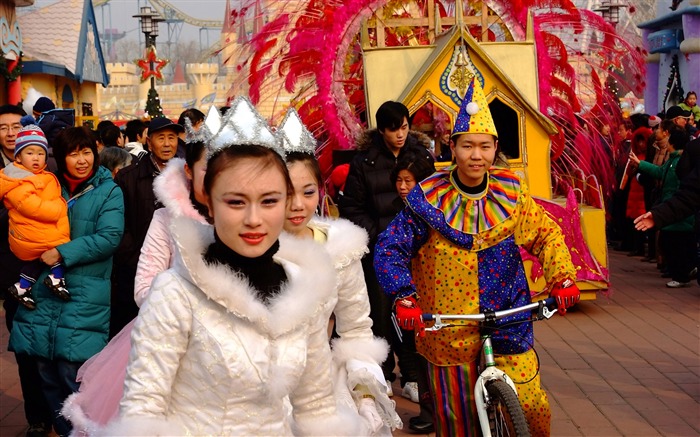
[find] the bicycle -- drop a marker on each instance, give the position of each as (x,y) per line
(496,397)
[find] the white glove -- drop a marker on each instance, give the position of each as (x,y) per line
(368,410)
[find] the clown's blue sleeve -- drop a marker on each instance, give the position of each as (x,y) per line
(395,248)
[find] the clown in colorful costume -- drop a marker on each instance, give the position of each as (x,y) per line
(460,246)
(464,258)
(455,249)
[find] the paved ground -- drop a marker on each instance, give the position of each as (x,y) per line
(624,365)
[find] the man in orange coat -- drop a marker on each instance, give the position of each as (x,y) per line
(38,214)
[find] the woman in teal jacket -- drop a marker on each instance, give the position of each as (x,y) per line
(677,240)
(62,335)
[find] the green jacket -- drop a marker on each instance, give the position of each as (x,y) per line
(669,185)
(77,329)
(695,110)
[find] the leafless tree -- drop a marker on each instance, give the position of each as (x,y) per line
(185,51)
(127,50)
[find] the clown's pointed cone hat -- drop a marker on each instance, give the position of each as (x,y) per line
(474,116)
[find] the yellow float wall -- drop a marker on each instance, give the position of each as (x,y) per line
(388,72)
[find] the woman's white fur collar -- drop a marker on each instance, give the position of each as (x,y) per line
(311,279)
(346,243)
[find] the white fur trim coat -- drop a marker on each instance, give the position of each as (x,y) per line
(209,357)
(172,189)
(357,354)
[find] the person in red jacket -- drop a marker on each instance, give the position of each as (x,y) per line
(635,199)
(38,214)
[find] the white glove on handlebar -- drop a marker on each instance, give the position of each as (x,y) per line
(368,410)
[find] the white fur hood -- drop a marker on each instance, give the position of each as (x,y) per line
(172,189)
(310,285)
(346,243)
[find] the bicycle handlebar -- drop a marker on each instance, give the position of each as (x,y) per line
(542,306)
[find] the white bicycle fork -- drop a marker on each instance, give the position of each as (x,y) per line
(481,395)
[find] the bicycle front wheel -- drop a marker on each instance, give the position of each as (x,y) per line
(506,417)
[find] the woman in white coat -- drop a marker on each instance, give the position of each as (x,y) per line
(357,354)
(237,325)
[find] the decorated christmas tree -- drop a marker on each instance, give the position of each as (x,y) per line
(153,106)
(152,67)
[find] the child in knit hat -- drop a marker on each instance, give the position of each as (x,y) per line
(38,214)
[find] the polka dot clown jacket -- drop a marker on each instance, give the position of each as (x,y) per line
(459,253)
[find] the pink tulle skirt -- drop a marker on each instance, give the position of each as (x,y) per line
(101,386)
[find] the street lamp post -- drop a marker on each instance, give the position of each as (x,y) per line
(610,10)
(149,19)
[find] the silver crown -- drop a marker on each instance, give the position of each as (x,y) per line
(241,125)
(294,136)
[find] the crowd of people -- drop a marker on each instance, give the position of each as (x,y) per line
(177,278)
(654,154)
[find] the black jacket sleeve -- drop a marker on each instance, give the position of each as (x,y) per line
(355,204)
(128,250)
(685,202)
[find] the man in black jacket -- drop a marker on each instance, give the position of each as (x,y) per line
(136,182)
(370,200)
(369,195)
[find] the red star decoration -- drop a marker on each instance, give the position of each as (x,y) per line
(612,58)
(145,65)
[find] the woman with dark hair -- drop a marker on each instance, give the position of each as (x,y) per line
(63,335)
(357,354)
(180,188)
(112,136)
(191,120)
(195,116)
(408,172)
(233,333)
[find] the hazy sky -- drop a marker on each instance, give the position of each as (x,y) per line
(117,14)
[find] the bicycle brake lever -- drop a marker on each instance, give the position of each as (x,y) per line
(543,312)
(547,313)
(438,325)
